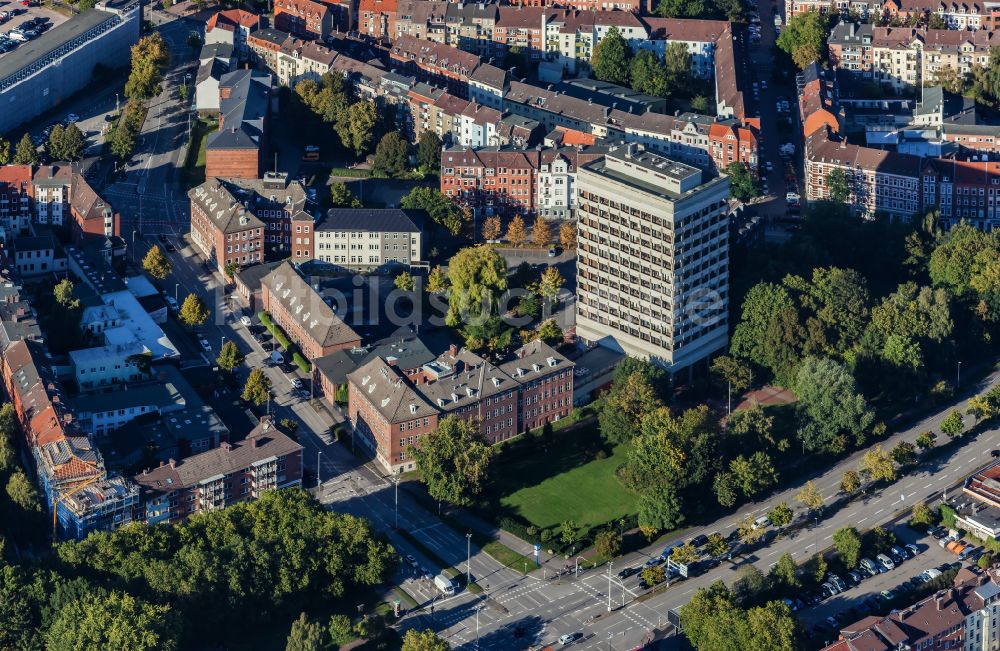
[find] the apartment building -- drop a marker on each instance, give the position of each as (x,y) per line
(390,411)
(963,617)
(63,197)
(15,199)
(487,84)
(108,365)
(436,63)
(223,229)
(570,36)
(635,6)
(264,45)
(522,27)
(958,14)
(698,37)
(652,258)
(367,239)
(491,180)
(304,18)
(267,459)
(963,191)
(298,60)
(233,27)
(373,17)
(299,310)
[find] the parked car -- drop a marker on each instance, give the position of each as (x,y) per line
(897,554)
(828,589)
(296,383)
(886,562)
(761,522)
(887,595)
(869,566)
(836,581)
(245,320)
(207,347)
(171,303)
(699,540)
(913,549)
(854,577)
(569,637)
(277,358)
(411,560)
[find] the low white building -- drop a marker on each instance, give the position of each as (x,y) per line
(369,239)
(108,365)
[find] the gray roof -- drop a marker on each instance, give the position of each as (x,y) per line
(302,302)
(376,220)
(252,275)
(987,591)
(388,391)
(225,210)
(35,243)
(599,359)
(407,353)
(266,441)
(218,50)
(212,69)
(161,395)
(490,75)
(30,52)
(244,111)
(271,35)
(533,360)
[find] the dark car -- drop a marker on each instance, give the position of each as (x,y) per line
(698,541)
(627,572)
(995,454)
(169,247)
(643,585)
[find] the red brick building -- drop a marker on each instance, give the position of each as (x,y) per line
(303,18)
(435,63)
(15,198)
(494,180)
(239,148)
(390,410)
(92,215)
(266,459)
(523,27)
(374,16)
(299,310)
(223,228)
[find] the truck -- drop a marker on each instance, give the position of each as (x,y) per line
(444,584)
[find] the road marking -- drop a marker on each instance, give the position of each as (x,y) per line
(879,511)
(929,485)
(862,520)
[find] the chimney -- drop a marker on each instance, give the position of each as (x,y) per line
(453,350)
(939,600)
(254,442)
(162,463)
(173,463)
(225,446)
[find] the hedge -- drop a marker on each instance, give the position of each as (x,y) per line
(279,335)
(301,362)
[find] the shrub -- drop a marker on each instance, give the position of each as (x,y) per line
(947,516)
(301,362)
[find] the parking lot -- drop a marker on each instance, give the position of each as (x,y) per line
(931,556)
(15,17)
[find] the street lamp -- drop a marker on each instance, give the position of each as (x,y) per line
(177,286)
(468,559)
(319,468)
(395,480)
(958,376)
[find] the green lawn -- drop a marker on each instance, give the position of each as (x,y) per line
(194,165)
(566,482)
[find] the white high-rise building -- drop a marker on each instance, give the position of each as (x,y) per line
(652,258)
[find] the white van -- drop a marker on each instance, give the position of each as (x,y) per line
(761,522)
(444,584)
(277,358)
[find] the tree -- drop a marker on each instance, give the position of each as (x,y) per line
(837,186)
(290,426)
(767,333)
(742,184)
(610,61)
(810,496)
(653,575)
(567,236)
(925,441)
(63,292)
(341,197)
(659,509)
(453,461)
(677,64)
(478,277)
(952,425)
(193,312)
(569,533)
(8,445)
(404,282)
(491,228)
(230,270)
(881,539)
(541,232)
(877,465)
(785,572)
(716,545)
(157,264)
(112,621)
(804,37)
(550,283)
(922,516)
(850,483)
(516,233)
(73,143)
(725,489)
(306,635)
(684,554)
(781,515)
(440,208)
(425,640)
(648,75)
(257,388)
(144,79)
(731,372)
(437,280)
(904,453)
(630,400)
(980,408)
(391,155)
(55,143)
(22,492)
(833,410)
(429,151)
(748,533)
(753,474)
(608,543)
(229,357)
(26,153)
(4,151)
(848,544)
(339,629)
(749,585)
(937,21)
(357,128)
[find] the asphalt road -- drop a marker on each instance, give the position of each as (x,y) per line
(147,194)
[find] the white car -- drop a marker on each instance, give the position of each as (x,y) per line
(207,347)
(245,320)
(17,36)
(769,166)
(296,383)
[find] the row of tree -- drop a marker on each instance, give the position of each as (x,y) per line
(354,121)
(169,586)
